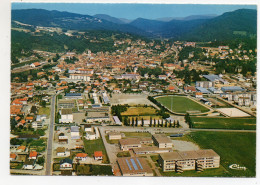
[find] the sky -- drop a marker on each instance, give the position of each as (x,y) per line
(133,11)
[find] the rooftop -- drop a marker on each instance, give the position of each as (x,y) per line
(189,154)
(161,138)
(133,165)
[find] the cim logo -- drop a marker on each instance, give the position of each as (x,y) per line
(237,167)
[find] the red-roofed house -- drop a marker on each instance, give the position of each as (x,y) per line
(98,155)
(35,64)
(81,156)
(33,155)
(199,95)
(12,156)
(171,88)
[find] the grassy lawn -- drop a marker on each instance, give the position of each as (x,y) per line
(123,154)
(154,158)
(225,123)
(95,145)
(16,165)
(44,110)
(137,134)
(233,148)
(181,104)
(89,169)
(135,111)
(111,141)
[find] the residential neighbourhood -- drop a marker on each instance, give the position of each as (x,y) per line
(149,108)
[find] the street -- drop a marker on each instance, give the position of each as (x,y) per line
(50,139)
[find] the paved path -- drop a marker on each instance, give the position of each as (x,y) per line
(50,139)
(153,166)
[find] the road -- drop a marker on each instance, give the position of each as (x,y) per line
(50,139)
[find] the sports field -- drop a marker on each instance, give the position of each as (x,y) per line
(181,104)
(224,123)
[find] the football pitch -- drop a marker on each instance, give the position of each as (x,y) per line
(181,104)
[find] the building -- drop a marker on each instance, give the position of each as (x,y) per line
(97,117)
(74,131)
(205,84)
(189,160)
(90,135)
(130,143)
(64,104)
(37,125)
(232,89)
(66,164)
(114,135)
(117,121)
(81,156)
(13,156)
(73,96)
(61,151)
(199,95)
(151,150)
(62,138)
(66,116)
(98,155)
(29,164)
(162,141)
(33,155)
(133,166)
(80,77)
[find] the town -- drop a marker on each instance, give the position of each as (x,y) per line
(148,108)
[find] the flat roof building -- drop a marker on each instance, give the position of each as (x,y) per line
(126,144)
(133,166)
(189,160)
(162,141)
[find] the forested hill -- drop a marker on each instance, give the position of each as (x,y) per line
(72,21)
(237,24)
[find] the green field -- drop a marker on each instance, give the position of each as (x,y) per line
(233,148)
(95,145)
(224,123)
(181,104)
(137,134)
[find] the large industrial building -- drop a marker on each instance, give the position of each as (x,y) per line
(133,166)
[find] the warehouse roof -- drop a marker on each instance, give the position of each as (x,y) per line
(133,165)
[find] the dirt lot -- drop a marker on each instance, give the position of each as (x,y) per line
(184,145)
(233,112)
(131,99)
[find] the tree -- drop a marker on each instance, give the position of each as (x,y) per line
(159,123)
(136,122)
(166,123)
(43,103)
(13,123)
(154,123)
(142,122)
(133,121)
(56,77)
(41,160)
(125,121)
(178,124)
(174,123)
(150,125)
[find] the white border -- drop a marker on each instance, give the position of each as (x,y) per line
(6,179)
